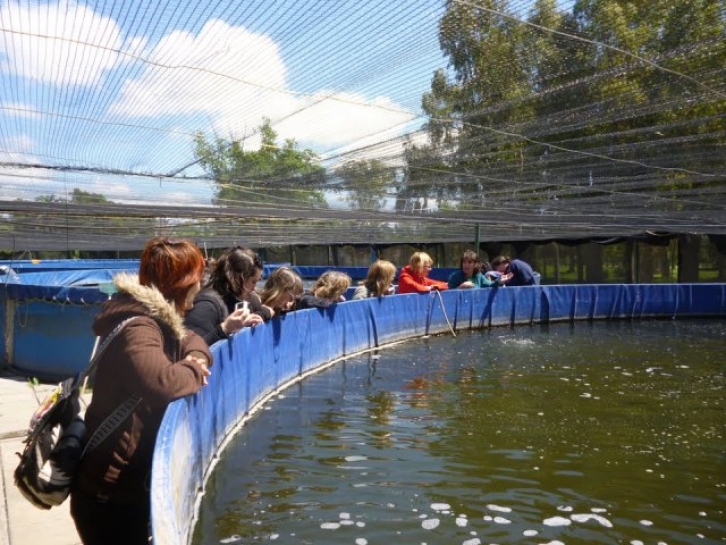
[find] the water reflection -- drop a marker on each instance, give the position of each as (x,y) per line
(574,433)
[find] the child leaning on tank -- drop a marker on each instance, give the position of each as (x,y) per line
(378,281)
(328,289)
(281,289)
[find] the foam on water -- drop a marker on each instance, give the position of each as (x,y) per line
(557,521)
(585,517)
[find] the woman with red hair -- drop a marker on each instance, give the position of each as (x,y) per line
(151,362)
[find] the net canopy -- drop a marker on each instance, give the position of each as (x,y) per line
(275,122)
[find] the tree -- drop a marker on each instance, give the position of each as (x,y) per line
(590,104)
(367,183)
(79,196)
(488,84)
(49,198)
(273,174)
(670,103)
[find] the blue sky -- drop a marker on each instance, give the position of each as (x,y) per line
(123,86)
(85,84)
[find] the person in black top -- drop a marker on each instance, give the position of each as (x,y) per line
(217,311)
(328,289)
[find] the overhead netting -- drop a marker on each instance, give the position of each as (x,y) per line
(275,122)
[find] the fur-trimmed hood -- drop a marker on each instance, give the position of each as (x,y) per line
(134,298)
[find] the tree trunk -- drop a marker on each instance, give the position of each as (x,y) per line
(646,264)
(688,258)
(593,264)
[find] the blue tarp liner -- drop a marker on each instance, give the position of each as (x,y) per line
(52,342)
(48,265)
(32,332)
(43,310)
(38,314)
(78,287)
(46,319)
(52,265)
(256,364)
(71,285)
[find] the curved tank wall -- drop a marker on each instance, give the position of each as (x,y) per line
(256,364)
(48,306)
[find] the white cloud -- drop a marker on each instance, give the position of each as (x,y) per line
(60,44)
(20,110)
(223,71)
(133,190)
(25,183)
(22,145)
(336,118)
(222,79)
(20,182)
(235,78)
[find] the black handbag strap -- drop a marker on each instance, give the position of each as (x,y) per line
(111,422)
(122,412)
(99,351)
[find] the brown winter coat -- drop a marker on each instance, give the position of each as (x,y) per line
(146,359)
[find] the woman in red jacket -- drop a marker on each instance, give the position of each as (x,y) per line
(414,276)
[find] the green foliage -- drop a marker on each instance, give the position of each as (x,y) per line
(622,91)
(80,196)
(49,198)
(77,196)
(33,383)
(272,173)
(367,183)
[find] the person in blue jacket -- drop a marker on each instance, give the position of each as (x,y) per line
(470,273)
(521,272)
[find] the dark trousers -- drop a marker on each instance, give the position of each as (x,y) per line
(110,523)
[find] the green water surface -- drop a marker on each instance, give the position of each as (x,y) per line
(605,432)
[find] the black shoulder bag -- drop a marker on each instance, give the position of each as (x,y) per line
(54,444)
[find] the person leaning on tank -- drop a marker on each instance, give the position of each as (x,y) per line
(378,282)
(219,308)
(414,277)
(470,274)
(151,362)
(327,290)
(281,290)
(520,273)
